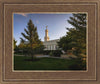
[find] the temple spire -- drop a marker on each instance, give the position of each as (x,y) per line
(46,38)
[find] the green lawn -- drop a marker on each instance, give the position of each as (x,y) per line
(43,63)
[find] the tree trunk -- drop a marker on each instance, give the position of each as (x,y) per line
(32,52)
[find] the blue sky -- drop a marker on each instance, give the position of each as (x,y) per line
(57,24)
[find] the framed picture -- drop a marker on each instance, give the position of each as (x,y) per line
(43,46)
(51,41)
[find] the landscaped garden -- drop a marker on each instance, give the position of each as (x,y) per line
(47,63)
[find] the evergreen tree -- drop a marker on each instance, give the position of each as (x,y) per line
(78,33)
(32,37)
(76,36)
(78,21)
(15,43)
(22,44)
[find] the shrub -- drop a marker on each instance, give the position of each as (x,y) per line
(74,67)
(55,53)
(70,52)
(51,53)
(78,65)
(46,52)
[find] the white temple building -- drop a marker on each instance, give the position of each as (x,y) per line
(49,44)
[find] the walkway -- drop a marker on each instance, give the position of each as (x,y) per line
(67,57)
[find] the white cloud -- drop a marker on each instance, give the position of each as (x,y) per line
(23,14)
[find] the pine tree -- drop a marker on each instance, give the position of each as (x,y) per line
(22,44)
(76,36)
(15,43)
(32,37)
(78,33)
(78,21)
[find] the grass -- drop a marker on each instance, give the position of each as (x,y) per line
(42,63)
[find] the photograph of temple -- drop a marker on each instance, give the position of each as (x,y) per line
(52,41)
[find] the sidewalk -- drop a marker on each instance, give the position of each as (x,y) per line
(62,57)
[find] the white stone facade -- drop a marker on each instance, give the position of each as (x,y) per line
(51,44)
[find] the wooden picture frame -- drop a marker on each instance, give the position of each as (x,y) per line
(90,76)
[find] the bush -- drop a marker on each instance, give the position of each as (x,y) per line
(79,65)
(46,52)
(70,52)
(74,67)
(55,53)
(51,53)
